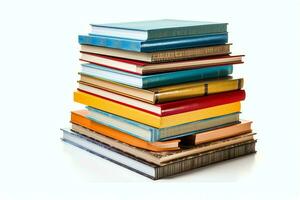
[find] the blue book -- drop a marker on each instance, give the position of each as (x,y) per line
(154,45)
(154,80)
(157,29)
(152,134)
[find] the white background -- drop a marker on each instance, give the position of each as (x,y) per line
(39,65)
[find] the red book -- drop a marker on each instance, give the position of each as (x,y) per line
(169,108)
(141,68)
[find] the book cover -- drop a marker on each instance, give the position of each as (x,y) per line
(150,119)
(155,45)
(166,93)
(160,56)
(155,80)
(155,171)
(157,29)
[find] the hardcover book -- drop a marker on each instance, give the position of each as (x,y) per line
(154,45)
(152,134)
(155,171)
(157,29)
(165,93)
(160,56)
(144,68)
(80,118)
(162,157)
(155,80)
(169,108)
(150,119)
(220,133)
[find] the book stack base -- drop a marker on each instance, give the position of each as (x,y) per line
(151,170)
(160,99)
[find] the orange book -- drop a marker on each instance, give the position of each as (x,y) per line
(220,133)
(79,118)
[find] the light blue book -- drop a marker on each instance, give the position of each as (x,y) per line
(155,80)
(157,29)
(152,134)
(154,45)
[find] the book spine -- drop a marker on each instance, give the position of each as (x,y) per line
(136,129)
(117,43)
(109,74)
(68,136)
(187,31)
(188,42)
(180,54)
(155,135)
(154,45)
(186,76)
(199,90)
(205,159)
(122,130)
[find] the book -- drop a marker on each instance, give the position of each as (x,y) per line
(169,108)
(152,134)
(155,80)
(165,93)
(162,157)
(155,45)
(155,171)
(150,119)
(243,127)
(160,56)
(144,68)
(220,133)
(79,117)
(157,29)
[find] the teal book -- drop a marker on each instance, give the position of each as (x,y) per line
(154,45)
(155,80)
(158,29)
(152,134)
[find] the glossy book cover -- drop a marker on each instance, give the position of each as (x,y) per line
(154,45)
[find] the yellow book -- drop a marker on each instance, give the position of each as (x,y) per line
(166,93)
(150,119)
(194,89)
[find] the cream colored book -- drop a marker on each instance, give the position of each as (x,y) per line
(160,56)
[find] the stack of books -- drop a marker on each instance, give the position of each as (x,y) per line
(159,97)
